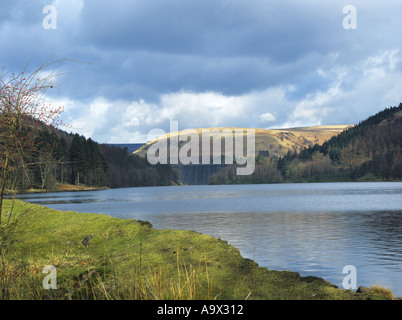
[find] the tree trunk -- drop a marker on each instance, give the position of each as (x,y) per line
(3,185)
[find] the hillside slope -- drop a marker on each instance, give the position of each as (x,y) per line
(272,142)
(377,135)
(369,151)
(377,152)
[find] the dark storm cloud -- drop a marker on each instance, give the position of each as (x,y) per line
(231,47)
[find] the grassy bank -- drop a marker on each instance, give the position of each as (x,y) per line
(128,259)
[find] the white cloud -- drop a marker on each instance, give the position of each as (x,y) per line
(379,65)
(129,121)
(200,108)
(82,118)
(267,117)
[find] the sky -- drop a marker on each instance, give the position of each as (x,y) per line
(140,64)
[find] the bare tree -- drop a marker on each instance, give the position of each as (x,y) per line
(23,112)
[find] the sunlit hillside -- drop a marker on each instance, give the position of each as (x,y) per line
(272,142)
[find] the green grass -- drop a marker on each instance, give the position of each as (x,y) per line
(128,259)
(382,291)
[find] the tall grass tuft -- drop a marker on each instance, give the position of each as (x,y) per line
(382,292)
(20,280)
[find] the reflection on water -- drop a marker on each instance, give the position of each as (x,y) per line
(314,229)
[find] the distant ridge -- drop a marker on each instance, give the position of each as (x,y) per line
(275,142)
(272,143)
(131,147)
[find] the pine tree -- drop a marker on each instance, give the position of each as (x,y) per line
(77,158)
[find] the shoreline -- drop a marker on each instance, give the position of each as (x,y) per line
(74,188)
(60,188)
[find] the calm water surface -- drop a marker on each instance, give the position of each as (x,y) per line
(314,229)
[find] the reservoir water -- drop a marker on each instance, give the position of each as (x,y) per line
(315,229)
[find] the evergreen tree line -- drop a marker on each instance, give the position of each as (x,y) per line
(62,158)
(343,139)
(125,170)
